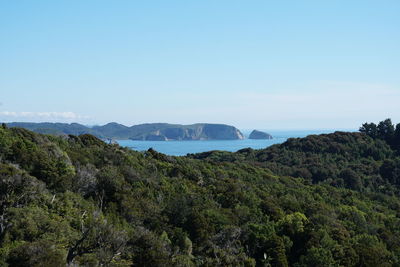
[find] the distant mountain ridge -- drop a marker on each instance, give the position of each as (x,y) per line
(148,131)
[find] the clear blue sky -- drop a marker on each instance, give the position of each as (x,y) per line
(252,64)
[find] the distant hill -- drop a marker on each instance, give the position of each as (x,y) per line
(56,128)
(149,131)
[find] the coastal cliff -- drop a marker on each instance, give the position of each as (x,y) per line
(200,131)
(145,132)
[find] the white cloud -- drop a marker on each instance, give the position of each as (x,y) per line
(40,116)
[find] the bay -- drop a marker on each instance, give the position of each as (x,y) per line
(181,148)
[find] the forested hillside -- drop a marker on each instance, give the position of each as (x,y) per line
(368,161)
(78,201)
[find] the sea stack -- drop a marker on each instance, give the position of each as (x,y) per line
(259,135)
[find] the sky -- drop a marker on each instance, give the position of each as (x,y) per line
(251,64)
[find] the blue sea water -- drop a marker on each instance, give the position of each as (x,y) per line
(181,148)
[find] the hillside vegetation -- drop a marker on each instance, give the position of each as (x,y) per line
(365,161)
(329,200)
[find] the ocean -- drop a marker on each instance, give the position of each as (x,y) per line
(181,148)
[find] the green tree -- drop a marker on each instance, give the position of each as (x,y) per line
(317,257)
(99,237)
(370,129)
(386,130)
(351,179)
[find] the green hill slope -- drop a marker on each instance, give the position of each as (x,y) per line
(341,159)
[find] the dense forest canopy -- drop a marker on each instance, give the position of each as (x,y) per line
(385,130)
(323,200)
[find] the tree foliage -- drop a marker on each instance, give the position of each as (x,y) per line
(328,200)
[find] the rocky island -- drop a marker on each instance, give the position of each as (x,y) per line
(145,132)
(200,131)
(255,134)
